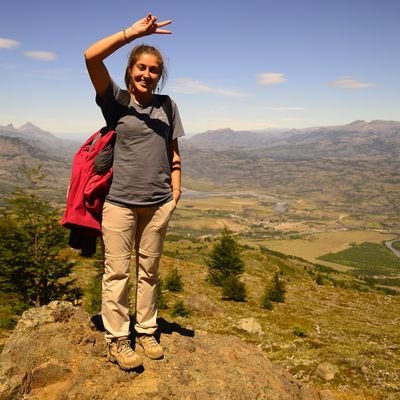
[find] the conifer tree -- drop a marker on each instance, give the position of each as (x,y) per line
(277,291)
(233,289)
(173,281)
(225,259)
(31,238)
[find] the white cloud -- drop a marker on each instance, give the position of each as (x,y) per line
(271,78)
(41,55)
(8,43)
(348,82)
(190,86)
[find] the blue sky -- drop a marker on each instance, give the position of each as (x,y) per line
(251,64)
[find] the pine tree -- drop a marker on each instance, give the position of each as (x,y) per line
(224,260)
(173,281)
(233,289)
(277,291)
(31,266)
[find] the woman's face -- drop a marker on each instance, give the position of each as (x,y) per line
(145,74)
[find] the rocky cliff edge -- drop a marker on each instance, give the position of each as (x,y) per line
(58,352)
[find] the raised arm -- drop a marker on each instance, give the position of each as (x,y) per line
(97,52)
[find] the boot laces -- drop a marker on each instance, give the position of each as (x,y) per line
(124,347)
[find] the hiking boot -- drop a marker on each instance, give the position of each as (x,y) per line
(151,347)
(121,352)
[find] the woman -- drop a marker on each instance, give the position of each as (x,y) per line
(145,189)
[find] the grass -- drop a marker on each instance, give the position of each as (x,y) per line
(312,246)
(353,329)
(367,259)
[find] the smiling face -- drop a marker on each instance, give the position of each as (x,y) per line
(144,71)
(145,75)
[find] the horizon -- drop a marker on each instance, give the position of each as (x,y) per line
(256,66)
(85,135)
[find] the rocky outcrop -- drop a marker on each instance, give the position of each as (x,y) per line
(58,352)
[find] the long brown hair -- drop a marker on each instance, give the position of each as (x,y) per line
(135,54)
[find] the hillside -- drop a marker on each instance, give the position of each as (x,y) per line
(199,365)
(29,145)
(351,165)
(331,340)
(352,169)
(336,335)
(357,139)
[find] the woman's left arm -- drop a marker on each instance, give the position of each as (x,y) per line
(176,171)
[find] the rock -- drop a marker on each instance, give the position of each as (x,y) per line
(327,371)
(326,395)
(54,354)
(250,325)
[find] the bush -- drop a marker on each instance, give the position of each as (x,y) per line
(319,280)
(277,291)
(173,281)
(179,310)
(299,331)
(266,302)
(233,289)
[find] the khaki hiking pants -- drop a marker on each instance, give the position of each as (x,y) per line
(123,227)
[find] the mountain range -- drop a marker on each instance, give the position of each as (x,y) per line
(357,139)
(295,160)
(30,146)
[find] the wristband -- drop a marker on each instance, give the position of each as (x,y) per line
(125,37)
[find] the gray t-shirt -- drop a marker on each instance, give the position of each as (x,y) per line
(141,167)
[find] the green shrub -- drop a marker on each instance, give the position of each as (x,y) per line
(233,289)
(266,302)
(299,331)
(173,281)
(179,310)
(277,291)
(319,280)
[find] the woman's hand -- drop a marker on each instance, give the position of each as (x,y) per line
(148,26)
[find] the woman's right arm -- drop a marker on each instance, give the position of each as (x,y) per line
(97,52)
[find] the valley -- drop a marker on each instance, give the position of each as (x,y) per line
(318,206)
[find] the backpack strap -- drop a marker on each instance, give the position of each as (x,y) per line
(166,104)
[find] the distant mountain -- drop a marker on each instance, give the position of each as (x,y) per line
(30,146)
(358,139)
(223,139)
(358,159)
(32,134)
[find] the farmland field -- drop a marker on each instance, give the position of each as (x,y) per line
(366,258)
(302,230)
